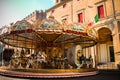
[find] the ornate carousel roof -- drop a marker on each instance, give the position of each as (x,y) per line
(23,34)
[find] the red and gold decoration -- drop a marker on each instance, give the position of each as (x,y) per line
(45,46)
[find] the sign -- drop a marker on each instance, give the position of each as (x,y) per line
(51,23)
(77,27)
(22,25)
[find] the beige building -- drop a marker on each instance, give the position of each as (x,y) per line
(103,16)
(36,15)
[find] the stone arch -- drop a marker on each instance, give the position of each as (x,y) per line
(105,45)
(104,34)
(98,28)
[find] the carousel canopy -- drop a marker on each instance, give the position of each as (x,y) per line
(50,23)
(22,25)
(49,31)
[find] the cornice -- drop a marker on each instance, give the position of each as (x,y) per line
(100,2)
(57,5)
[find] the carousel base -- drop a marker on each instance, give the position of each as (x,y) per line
(47,73)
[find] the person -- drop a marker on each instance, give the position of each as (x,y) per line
(17,53)
(90,61)
(22,53)
(82,59)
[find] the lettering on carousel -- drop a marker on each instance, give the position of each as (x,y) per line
(76,32)
(22,31)
(49,24)
(77,27)
(21,27)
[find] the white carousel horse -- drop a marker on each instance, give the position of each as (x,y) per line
(41,57)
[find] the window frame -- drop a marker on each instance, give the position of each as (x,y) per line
(64,17)
(64,5)
(79,19)
(99,13)
(81,11)
(57,1)
(99,4)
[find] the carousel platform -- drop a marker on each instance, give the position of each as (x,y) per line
(47,73)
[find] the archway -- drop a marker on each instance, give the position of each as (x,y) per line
(104,35)
(105,46)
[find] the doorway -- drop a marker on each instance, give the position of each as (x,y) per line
(112,58)
(105,50)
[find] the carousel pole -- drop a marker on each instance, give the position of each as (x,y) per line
(2,56)
(26,53)
(35,45)
(25,45)
(85,51)
(13,52)
(95,57)
(90,55)
(31,47)
(8,47)
(84,46)
(17,50)
(2,59)
(63,51)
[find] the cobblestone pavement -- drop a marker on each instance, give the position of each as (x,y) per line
(10,78)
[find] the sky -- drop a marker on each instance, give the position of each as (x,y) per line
(14,10)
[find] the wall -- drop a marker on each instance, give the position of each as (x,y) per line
(89,8)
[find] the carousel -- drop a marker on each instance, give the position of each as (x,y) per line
(49,50)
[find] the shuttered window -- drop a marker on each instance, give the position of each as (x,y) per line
(101,11)
(64,5)
(80,17)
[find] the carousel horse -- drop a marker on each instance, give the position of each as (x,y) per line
(24,58)
(41,57)
(30,62)
(14,62)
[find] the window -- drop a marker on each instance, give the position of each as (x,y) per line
(57,1)
(53,11)
(64,20)
(80,17)
(100,11)
(79,0)
(64,5)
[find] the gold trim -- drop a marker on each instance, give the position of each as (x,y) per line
(100,2)
(51,70)
(66,1)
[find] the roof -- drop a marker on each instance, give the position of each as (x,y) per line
(22,25)
(49,32)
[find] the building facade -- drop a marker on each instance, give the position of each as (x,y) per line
(36,15)
(103,16)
